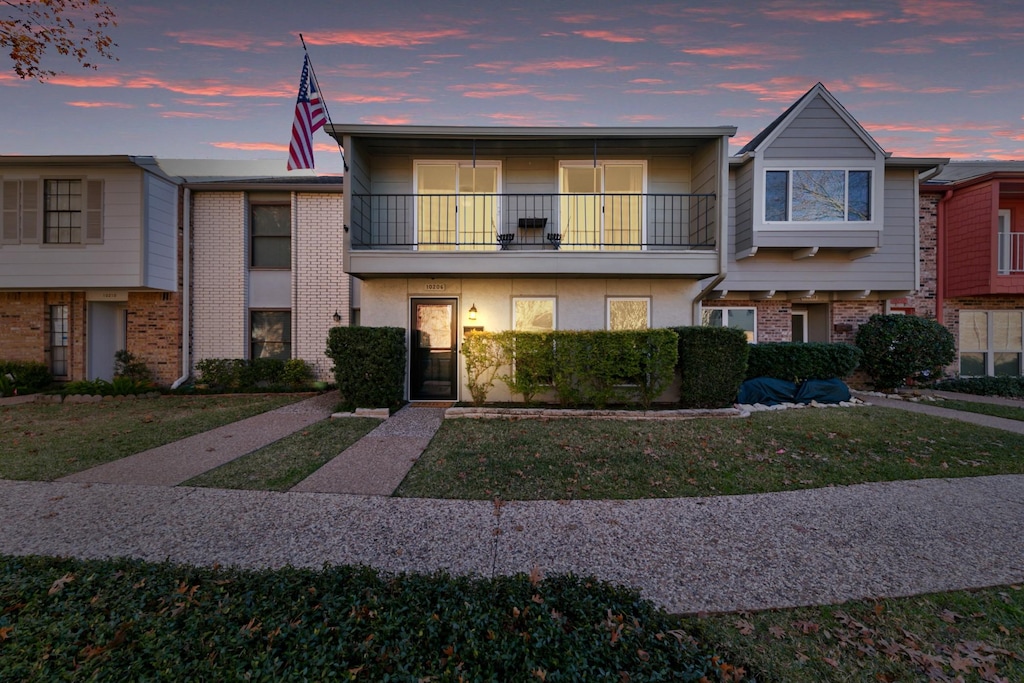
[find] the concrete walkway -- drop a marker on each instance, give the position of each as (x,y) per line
(177,462)
(695,554)
(936,409)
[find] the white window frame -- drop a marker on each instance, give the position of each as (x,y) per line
(1004,250)
(603,164)
(989,353)
(877,171)
(725,318)
(612,299)
(459,164)
(802,315)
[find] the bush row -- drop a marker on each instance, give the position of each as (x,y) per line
(796,361)
(1012,387)
(23,377)
(263,374)
(130,620)
(119,386)
(582,367)
(712,363)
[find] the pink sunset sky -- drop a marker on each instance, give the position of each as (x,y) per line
(217,79)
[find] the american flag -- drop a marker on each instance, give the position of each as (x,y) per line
(309,117)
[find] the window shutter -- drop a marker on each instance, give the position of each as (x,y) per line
(9,214)
(93,212)
(31,216)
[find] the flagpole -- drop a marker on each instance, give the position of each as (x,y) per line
(323,101)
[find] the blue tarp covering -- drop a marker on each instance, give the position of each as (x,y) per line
(769,391)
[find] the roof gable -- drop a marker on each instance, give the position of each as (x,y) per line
(817,104)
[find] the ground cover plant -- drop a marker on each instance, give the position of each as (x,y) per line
(286,462)
(45,441)
(959,636)
(529,459)
(65,619)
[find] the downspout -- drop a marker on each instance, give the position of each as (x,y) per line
(186,288)
(940,257)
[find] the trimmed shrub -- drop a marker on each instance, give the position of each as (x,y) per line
(127,364)
(796,361)
(23,377)
(598,367)
(898,348)
(257,374)
(369,365)
(533,355)
(484,355)
(712,365)
(1011,387)
(120,386)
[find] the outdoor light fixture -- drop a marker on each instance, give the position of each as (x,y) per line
(472,312)
(336,316)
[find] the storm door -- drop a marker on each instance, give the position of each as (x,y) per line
(433,372)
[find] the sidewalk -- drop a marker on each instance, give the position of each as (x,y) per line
(688,555)
(724,553)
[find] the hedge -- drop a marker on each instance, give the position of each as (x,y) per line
(898,348)
(796,362)
(263,374)
(369,365)
(1011,387)
(23,377)
(712,365)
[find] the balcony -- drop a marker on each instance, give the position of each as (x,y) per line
(1011,253)
(629,235)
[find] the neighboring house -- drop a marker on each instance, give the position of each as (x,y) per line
(92,262)
(803,235)
(450,228)
(973,214)
(89,264)
(823,228)
(265,276)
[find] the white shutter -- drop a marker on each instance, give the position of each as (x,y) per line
(9,213)
(31,215)
(93,225)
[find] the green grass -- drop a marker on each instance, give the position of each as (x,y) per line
(44,441)
(993,409)
(284,463)
(533,459)
(978,635)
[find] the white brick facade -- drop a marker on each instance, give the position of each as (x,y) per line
(319,286)
(220,327)
(220,276)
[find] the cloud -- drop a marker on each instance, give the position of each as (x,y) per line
(86,81)
(517,119)
(395,38)
(496,89)
(386,120)
(767,51)
(609,36)
(641,118)
(583,18)
(783,89)
(647,81)
(544,66)
(216,115)
(226,40)
(823,14)
(942,11)
(101,105)
(269,146)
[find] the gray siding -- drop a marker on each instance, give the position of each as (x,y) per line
(741,212)
(819,132)
(116,262)
(161,229)
(892,268)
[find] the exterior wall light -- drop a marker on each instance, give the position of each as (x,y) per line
(472,312)
(336,317)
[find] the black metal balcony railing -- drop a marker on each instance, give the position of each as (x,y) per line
(488,222)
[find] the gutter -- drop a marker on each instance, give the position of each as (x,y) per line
(940,257)
(186,288)
(723,235)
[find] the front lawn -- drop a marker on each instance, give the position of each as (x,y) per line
(286,462)
(45,441)
(531,459)
(993,409)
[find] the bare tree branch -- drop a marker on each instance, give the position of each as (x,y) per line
(72,28)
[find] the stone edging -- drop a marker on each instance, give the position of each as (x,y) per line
(555,413)
(760,407)
(74,398)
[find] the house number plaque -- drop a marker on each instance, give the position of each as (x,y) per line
(435,286)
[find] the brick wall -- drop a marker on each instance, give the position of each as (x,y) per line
(154,333)
(923,301)
(774,321)
(25,326)
(219,276)
(852,314)
(319,286)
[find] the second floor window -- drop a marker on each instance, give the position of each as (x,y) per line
(63,212)
(817,195)
(271,236)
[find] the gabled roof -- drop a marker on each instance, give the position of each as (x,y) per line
(768,135)
(961,171)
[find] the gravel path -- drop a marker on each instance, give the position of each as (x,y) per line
(688,555)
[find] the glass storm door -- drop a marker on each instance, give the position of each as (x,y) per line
(433,372)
